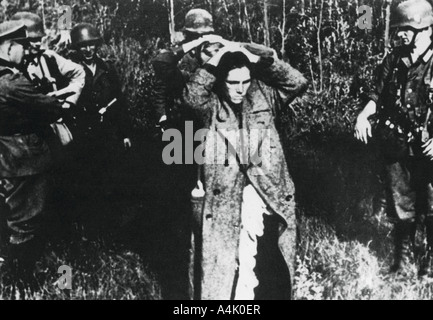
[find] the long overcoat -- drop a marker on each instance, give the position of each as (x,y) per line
(215,242)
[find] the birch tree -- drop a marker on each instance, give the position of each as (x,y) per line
(266,32)
(171,24)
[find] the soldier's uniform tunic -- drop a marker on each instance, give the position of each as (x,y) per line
(25,159)
(402,97)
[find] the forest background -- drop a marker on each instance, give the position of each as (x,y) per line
(344,252)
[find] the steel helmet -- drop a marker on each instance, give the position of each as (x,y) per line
(85,34)
(34,24)
(198,21)
(417,14)
(13,30)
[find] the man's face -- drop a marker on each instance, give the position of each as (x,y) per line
(88,52)
(35,46)
(16,53)
(407,35)
(237,84)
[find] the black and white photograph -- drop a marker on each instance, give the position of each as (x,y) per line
(216,150)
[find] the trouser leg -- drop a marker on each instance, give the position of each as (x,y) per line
(25,205)
(427,259)
(403,197)
(24,209)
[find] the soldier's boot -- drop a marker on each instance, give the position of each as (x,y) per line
(426,269)
(403,254)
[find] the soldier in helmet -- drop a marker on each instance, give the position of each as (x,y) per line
(173,67)
(102,121)
(25,158)
(402,102)
(195,49)
(54,74)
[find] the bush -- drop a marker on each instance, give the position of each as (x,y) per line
(133,62)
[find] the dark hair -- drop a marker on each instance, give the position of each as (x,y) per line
(230,61)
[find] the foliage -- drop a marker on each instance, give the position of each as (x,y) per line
(329,268)
(99,272)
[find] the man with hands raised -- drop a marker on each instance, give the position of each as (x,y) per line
(243,247)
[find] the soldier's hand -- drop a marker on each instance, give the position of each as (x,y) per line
(428,149)
(127,143)
(363,129)
(66,105)
(162,124)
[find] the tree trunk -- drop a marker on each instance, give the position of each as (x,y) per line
(224,5)
(302,7)
(319,45)
(266,23)
(211,7)
(387,26)
(246,20)
(283,32)
(43,12)
(171,25)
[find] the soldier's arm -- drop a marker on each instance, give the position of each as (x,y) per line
(168,80)
(382,77)
(72,71)
(168,76)
(165,67)
(363,130)
(22,94)
(198,93)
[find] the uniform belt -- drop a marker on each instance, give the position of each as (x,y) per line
(410,135)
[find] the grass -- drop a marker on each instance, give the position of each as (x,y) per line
(329,268)
(99,273)
(344,252)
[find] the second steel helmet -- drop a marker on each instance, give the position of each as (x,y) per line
(34,24)
(85,34)
(198,21)
(417,14)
